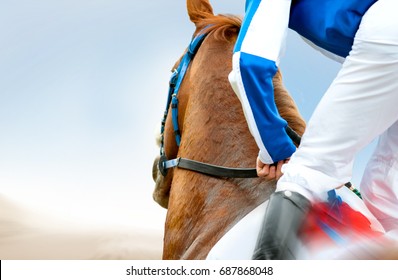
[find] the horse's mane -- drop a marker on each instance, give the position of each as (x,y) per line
(223,27)
(226,27)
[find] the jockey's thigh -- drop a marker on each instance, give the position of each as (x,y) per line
(379,184)
(360,104)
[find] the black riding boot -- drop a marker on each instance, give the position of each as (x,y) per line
(284,216)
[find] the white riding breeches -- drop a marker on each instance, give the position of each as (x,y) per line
(360,105)
(380,181)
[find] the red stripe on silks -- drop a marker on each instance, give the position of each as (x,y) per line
(349,225)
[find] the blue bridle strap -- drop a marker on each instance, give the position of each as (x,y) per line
(175,83)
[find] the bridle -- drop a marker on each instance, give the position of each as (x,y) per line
(172,101)
(192,165)
(174,86)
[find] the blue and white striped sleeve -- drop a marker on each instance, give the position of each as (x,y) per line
(255,62)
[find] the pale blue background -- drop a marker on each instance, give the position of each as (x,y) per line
(83,87)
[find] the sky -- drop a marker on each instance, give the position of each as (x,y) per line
(83,86)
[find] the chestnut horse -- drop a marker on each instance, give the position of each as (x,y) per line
(213,128)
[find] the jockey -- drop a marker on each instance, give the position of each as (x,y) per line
(359,106)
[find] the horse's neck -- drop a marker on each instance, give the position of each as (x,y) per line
(215,129)
(203,208)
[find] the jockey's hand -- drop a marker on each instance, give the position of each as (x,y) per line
(270,171)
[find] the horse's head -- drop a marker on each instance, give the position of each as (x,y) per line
(223,28)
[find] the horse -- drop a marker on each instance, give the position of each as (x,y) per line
(210,128)
(213,130)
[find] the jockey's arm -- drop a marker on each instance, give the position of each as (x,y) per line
(255,62)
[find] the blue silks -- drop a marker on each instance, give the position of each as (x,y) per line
(329,24)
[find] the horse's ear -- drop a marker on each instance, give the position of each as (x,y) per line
(199,10)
